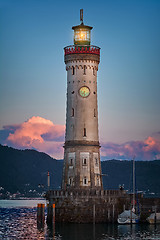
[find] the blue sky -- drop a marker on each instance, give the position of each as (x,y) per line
(32,70)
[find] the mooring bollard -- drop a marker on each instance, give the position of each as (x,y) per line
(40,215)
(50,213)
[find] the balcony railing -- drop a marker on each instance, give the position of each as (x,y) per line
(81,49)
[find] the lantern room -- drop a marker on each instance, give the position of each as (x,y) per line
(82,34)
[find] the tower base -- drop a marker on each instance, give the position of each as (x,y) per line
(88,206)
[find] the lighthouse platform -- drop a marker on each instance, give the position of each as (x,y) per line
(88,206)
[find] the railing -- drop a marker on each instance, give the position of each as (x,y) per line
(81,49)
(81,193)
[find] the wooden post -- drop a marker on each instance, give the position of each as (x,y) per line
(109,215)
(40,215)
(94,213)
(124,207)
(113,214)
(50,213)
(131,215)
(155,216)
(53,212)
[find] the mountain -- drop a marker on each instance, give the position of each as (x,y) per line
(120,172)
(26,171)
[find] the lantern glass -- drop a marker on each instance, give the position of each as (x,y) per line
(82,37)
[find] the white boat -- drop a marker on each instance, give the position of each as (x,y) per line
(151,218)
(127,217)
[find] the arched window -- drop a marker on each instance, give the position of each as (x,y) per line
(84,132)
(94,71)
(84,161)
(84,72)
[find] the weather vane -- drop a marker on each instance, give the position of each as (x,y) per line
(81,16)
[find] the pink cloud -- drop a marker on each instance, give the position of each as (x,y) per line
(45,136)
(40,134)
(149,149)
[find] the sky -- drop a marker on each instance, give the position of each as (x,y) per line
(33,34)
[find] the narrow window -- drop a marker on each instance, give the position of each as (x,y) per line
(73,70)
(96,161)
(85,180)
(70,181)
(72,114)
(94,112)
(84,161)
(71,161)
(84,132)
(84,73)
(93,71)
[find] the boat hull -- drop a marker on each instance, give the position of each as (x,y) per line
(128,221)
(151,218)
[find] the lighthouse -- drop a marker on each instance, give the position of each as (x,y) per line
(82,198)
(82,166)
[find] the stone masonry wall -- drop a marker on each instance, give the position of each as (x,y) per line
(88,206)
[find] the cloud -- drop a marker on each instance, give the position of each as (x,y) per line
(149,149)
(37,133)
(45,136)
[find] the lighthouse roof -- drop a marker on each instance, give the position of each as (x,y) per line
(81,26)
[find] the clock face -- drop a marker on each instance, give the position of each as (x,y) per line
(84,92)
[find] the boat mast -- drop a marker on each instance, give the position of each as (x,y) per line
(133,209)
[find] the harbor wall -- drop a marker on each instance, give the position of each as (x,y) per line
(80,206)
(88,206)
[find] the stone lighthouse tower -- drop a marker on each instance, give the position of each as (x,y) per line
(82,198)
(82,167)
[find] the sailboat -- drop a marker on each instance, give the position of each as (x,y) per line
(129,216)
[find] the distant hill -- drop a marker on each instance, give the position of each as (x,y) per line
(120,172)
(23,170)
(26,170)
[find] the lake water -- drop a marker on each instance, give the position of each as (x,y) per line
(18,221)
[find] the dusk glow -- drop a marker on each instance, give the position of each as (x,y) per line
(41,134)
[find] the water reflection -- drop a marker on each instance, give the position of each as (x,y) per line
(51,231)
(106,231)
(21,223)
